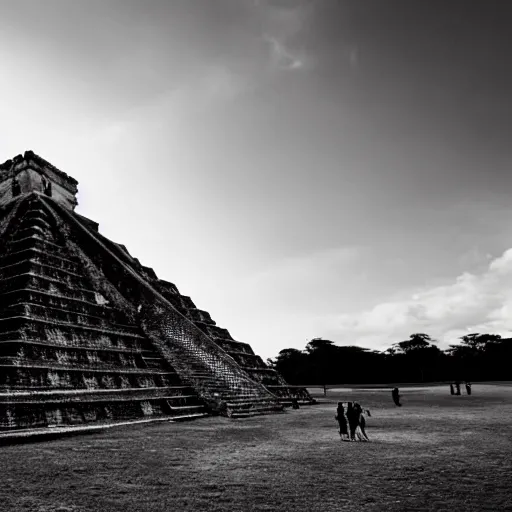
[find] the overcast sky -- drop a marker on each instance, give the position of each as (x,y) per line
(329,168)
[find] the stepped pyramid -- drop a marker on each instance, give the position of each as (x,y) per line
(90,337)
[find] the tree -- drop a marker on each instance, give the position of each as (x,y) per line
(319,344)
(416,356)
(479,342)
(324,361)
(416,341)
(293,366)
(475,356)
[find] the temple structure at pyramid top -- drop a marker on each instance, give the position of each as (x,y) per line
(30,173)
(91,337)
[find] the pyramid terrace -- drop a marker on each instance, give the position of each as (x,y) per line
(91,338)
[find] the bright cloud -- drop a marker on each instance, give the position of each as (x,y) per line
(281,55)
(472,303)
(283,23)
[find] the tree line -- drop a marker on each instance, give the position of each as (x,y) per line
(478,357)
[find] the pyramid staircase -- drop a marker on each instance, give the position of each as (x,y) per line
(198,360)
(242,353)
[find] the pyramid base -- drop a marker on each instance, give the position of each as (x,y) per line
(47,433)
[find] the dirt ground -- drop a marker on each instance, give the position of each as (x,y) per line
(438,452)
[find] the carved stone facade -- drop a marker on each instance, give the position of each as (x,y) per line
(88,335)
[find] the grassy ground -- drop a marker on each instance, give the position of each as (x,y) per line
(437,452)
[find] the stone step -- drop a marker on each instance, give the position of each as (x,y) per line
(86,396)
(73,366)
(43,270)
(257,408)
(247,402)
(186,408)
(154,364)
(27,325)
(236,346)
(189,417)
(198,315)
(16,241)
(259,370)
(19,378)
(241,354)
(230,395)
(40,256)
(28,354)
(33,240)
(39,272)
(51,313)
(241,415)
(25,350)
(40,224)
(289,403)
(23,435)
(71,345)
(168,392)
(64,303)
(65,414)
(255,372)
(35,217)
(46,284)
(87,340)
(28,230)
(178,397)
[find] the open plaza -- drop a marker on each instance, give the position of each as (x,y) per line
(438,452)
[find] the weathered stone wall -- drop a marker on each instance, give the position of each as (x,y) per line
(29,170)
(67,357)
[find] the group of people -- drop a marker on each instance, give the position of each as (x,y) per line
(455,388)
(351,421)
(350,415)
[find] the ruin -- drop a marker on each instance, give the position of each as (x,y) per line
(89,336)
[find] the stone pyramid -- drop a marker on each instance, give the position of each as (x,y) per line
(90,338)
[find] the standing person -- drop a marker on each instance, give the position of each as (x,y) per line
(360,431)
(457,388)
(342,421)
(396,397)
(468,388)
(452,391)
(353,417)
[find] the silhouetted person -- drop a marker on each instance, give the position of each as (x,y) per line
(295,404)
(457,388)
(452,391)
(342,420)
(360,430)
(353,417)
(468,388)
(396,397)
